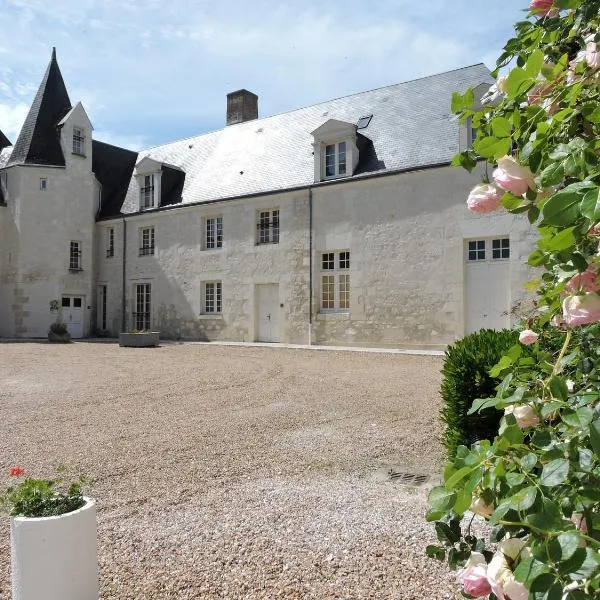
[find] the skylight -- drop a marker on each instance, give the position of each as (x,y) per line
(363,122)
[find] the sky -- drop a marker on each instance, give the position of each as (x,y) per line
(153,71)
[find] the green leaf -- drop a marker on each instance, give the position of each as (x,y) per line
(582,564)
(561,241)
(440,498)
(562,209)
(534,63)
(492,147)
(457,104)
(559,388)
(580,418)
(513,434)
(523,499)
(553,174)
(445,533)
(481,404)
(529,461)
(569,542)
(595,436)
(590,206)
(458,476)
(530,569)
(541,439)
(435,552)
(554,472)
(501,127)
(548,517)
(518,82)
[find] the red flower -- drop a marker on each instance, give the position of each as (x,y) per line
(16,471)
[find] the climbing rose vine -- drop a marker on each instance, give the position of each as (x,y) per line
(537,484)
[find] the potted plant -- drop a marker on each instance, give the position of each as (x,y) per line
(136,338)
(59,334)
(54,552)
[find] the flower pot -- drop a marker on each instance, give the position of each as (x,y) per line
(144,339)
(55,558)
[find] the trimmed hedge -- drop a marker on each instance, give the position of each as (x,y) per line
(466,378)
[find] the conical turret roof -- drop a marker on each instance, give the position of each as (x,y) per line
(4,141)
(39,140)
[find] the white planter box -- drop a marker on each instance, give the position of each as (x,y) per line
(55,558)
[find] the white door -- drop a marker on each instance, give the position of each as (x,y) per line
(267,312)
(487,284)
(72,315)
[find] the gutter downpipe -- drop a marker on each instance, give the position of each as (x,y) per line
(310,264)
(124,290)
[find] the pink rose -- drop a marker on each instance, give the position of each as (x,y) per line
(586,281)
(501,84)
(479,507)
(528,337)
(484,198)
(579,521)
(581,309)
(592,56)
(557,321)
(502,580)
(571,77)
(511,176)
(523,414)
(474,581)
(541,8)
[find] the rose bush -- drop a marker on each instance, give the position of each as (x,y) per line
(537,483)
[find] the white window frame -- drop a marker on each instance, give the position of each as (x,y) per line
(339,152)
(485,246)
(75,256)
(110,242)
(78,141)
(213,233)
(142,298)
(148,191)
(43,184)
(147,241)
(268,226)
(334,288)
(212,297)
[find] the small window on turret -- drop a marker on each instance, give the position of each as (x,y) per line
(78,141)
(43,184)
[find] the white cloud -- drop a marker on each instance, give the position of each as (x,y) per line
(11,119)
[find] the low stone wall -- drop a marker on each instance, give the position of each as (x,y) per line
(139,340)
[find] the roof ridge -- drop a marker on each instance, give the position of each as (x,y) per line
(285,112)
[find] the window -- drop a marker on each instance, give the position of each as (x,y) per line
(268,227)
(110,242)
(500,249)
(489,249)
(43,184)
(3,185)
(335,159)
(141,316)
(214,233)
(75,256)
(147,192)
(476,250)
(212,297)
(335,281)
(78,141)
(147,241)
(66,301)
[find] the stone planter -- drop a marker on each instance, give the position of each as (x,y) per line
(144,339)
(55,558)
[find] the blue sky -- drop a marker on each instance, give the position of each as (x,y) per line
(152,71)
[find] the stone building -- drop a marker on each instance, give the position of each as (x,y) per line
(339,223)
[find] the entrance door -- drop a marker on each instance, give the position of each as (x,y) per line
(72,315)
(487,289)
(267,312)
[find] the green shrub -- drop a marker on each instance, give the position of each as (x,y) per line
(58,328)
(465,378)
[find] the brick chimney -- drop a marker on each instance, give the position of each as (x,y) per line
(242,106)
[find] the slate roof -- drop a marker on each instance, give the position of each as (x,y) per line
(4,141)
(113,167)
(39,140)
(412,127)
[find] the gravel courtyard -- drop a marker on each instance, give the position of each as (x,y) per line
(234,472)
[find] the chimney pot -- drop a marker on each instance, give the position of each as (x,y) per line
(242,106)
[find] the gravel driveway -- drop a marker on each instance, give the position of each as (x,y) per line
(234,472)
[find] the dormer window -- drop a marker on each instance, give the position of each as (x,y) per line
(335,151)
(147,193)
(335,159)
(78,141)
(148,175)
